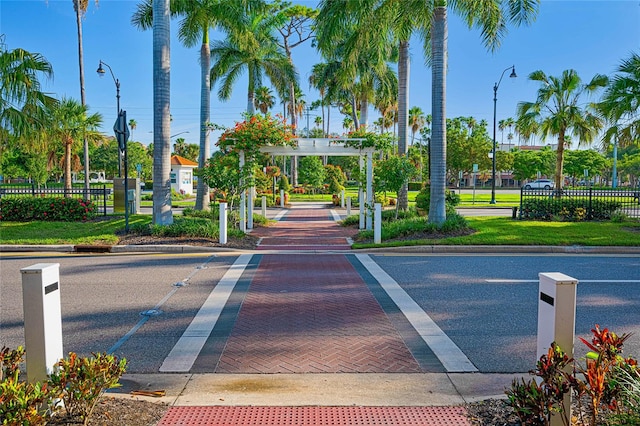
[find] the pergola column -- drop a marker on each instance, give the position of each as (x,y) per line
(361,201)
(369,190)
(243,197)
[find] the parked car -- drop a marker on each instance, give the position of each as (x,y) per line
(540,184)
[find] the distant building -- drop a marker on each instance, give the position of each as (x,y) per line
(182,174)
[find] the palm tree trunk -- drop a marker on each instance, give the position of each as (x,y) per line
(82,95)
(67,167)
(364,112)
(161,114)
(403,117)
(560,162)
(202,190)
(438,145)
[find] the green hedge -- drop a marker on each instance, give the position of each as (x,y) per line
(568,209)
(25,209)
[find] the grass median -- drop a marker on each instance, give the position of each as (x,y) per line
(486,231)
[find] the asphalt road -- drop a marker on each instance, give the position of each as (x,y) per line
(487,304)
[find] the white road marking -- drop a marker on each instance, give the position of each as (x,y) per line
(508,280)
(451,357)
(145,318)
(186,350)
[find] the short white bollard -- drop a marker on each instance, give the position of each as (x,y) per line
(557,320)
(42,319)
(348,206)
(223,223)
(377,222)
(264,206)
(282,198)
(342,199)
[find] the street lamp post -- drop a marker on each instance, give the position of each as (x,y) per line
(122,134)
(493,159)
(101,72)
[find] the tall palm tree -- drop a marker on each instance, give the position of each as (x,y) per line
(558,111)
(69,125)
(621,103)
(255,51)
(416,121)
(80,8)
(199,18)
(161,114)
(264,99)
(133,124)
(492,19)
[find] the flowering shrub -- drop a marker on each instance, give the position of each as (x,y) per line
(255,132)
(26,209)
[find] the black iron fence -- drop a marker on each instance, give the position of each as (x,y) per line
(579,204)
(98,195)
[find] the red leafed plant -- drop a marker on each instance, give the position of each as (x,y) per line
(599,380)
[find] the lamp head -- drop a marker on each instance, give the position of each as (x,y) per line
(101,70)
(513,72)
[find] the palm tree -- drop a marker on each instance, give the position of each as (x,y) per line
(161,114)
(69,124)
(492,18)
(264,99)
(255,51)
(620,103)
(23,104)
(199,18)
(80,8)
(557,111)
(132,125)
(416,121)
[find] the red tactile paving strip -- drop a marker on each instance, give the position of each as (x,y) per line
(312,314)
(317,416)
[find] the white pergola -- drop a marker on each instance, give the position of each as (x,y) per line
(320,147)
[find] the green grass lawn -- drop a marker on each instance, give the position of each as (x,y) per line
(488,231)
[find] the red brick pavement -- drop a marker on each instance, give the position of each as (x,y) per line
(305,229)
(306,314)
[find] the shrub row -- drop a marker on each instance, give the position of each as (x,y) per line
(568,209)
(25,209)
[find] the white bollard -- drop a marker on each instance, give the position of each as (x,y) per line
(282,198)
(264,206)
(348,206)
(223,223)
(42,319)
(377,222)
(557,320)
(342,199)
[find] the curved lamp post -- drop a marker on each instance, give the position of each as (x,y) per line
(101,72)
(493,159)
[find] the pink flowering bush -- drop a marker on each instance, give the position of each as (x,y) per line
(27,209)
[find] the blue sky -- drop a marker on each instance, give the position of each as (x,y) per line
(588,36)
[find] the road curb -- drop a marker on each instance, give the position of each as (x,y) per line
(433,249)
